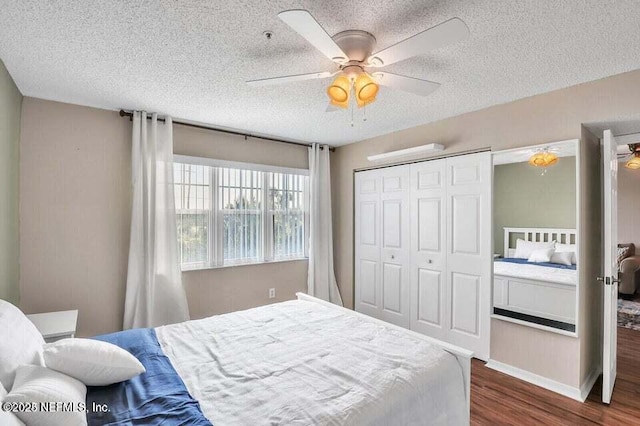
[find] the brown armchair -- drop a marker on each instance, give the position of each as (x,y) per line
(629,271)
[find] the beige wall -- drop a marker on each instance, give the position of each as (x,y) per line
(10,112)
(540,119)
(629,206)
(75,196)
(75,217)
(523,198)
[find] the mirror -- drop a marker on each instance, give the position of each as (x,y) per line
(535,236)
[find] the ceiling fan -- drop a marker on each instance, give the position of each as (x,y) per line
(351,50)
(631,158)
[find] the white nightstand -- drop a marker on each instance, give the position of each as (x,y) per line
(55,325)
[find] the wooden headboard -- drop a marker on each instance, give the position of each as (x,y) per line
(560,235)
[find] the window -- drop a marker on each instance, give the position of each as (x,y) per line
(233,213)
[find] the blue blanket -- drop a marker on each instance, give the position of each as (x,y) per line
(526,262)
(157,397)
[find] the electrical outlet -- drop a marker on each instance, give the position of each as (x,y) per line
(272,293)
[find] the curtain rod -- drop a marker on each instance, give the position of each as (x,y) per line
(129,114)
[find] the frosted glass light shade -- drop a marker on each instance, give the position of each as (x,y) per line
(366,89)
(339,90)
(633,163)
(543,159)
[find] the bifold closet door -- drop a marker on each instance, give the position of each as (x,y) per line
(367,243)
(382,244)
(423,248)
(428,248)
(469,259)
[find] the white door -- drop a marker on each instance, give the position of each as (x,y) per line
(428,248)
(469,259)
(394,261)
(610,278)
(367,243)
(382,244)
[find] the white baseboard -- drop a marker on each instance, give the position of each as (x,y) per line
(586,387)
(543,382)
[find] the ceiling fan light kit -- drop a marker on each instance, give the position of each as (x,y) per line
(353,53)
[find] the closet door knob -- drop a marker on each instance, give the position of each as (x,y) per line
(393,256)
(429,261)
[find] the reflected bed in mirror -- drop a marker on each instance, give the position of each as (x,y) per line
(535,240)
(542,292)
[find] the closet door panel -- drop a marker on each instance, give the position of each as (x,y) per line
(392,288)
(428,254)
(465,303)
(368,282)
(429,298)
(465,212)
(392,224)
(394,200)
(469,256)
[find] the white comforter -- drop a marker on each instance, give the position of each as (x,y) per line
(536,272)
(301,363)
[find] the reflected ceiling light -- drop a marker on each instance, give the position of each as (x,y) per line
(634,161)
(543,158)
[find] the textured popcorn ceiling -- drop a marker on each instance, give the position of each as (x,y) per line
(190,59)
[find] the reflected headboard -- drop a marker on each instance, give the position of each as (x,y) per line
(560,235)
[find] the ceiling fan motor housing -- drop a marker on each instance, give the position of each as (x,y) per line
(357,44)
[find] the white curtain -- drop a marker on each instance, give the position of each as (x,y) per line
(155,295)
(321,280)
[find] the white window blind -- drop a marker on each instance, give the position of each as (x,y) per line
(234,215)
(286,209)
(193,210)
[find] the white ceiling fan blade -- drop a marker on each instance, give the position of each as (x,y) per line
(407,84)
(305,24)
(443,34)
(288,79)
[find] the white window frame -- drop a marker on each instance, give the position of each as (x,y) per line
(216,224)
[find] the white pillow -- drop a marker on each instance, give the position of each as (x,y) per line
(93,362)
(525,248)
(39,385)
(7,418)
(541,255)
(562,258)
(564,248)
(20,342)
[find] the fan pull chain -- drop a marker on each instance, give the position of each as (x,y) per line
(351,114)
(364,113)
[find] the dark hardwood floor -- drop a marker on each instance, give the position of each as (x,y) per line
(498,399)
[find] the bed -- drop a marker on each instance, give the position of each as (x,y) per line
(535,293)
(302,362)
